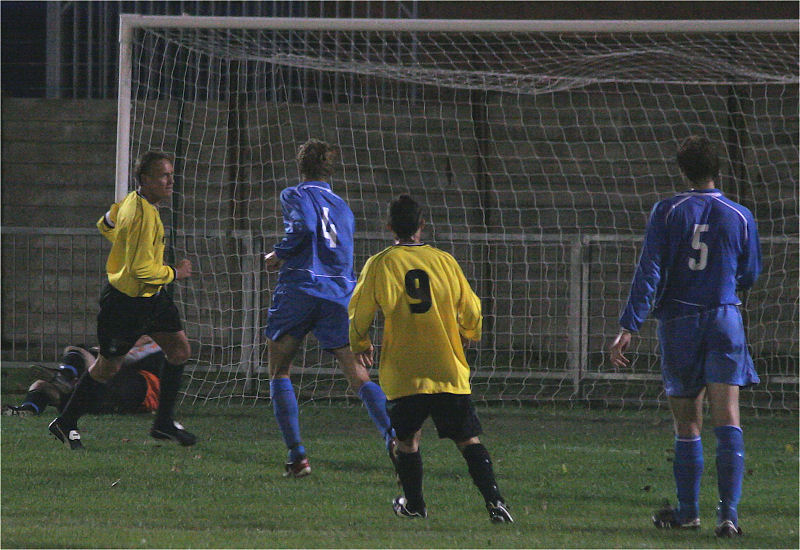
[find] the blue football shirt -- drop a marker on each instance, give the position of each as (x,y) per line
(318,246)
(699,249)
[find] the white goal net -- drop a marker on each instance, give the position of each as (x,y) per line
(537,152)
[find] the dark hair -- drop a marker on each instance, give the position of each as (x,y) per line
(405,216)
(147,161)
(315,160)
(698,159)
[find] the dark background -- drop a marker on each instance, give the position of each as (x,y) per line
(24,24)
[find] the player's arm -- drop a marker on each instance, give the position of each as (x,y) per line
(361,312)
(296,225)
(140,253)
(470,319)
(647,275)
(108,223)
(750,260)
(643,287)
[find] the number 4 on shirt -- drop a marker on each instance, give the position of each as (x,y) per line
(328,228)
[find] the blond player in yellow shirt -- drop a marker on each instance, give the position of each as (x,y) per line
(429,311)
(134,302)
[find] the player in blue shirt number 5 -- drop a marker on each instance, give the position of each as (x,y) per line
(699,249)
(315,283)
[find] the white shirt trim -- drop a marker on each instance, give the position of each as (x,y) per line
(687,303)
(688,195)
(744,218)
(107,219)
(319,275)
(319,187)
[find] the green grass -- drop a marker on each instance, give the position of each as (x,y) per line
(574,478)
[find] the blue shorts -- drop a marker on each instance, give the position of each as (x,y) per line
(702,348)
(297,314)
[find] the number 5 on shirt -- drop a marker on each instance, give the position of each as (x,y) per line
(697,244)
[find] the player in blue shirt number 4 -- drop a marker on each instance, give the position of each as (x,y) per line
(315,282)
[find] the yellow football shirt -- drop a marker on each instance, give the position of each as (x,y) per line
(428,305)
(135,264)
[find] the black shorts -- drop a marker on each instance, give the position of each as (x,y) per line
(453,415)
(123,319)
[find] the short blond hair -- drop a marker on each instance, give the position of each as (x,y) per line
(315,160)
(147,161)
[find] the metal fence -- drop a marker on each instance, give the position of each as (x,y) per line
(545,327)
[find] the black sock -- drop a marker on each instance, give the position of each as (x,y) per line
(82,397)
(409,469)
(36,401)
(170,381)
(480,468)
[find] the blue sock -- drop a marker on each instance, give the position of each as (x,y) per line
(730,470)
(375,400)
(284,404)
(72,371)
(71,361)
(688,469)
(32,405)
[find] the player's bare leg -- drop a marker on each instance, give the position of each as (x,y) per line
(355,374)
(103,369)
(175,346)
(687,415)
(40,394)
(281,353)
(284,403)
(370,393)
(724,399)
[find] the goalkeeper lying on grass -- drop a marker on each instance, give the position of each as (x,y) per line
(133,389)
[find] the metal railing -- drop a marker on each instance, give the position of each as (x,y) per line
(51,279)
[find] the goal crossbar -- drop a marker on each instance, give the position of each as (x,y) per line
(463,25)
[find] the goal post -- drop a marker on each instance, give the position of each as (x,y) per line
(537,148)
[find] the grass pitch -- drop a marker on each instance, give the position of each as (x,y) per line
(573,478)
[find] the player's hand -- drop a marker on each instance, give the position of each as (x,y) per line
(272,262)
(183,270)
(364,358)
(617,349)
